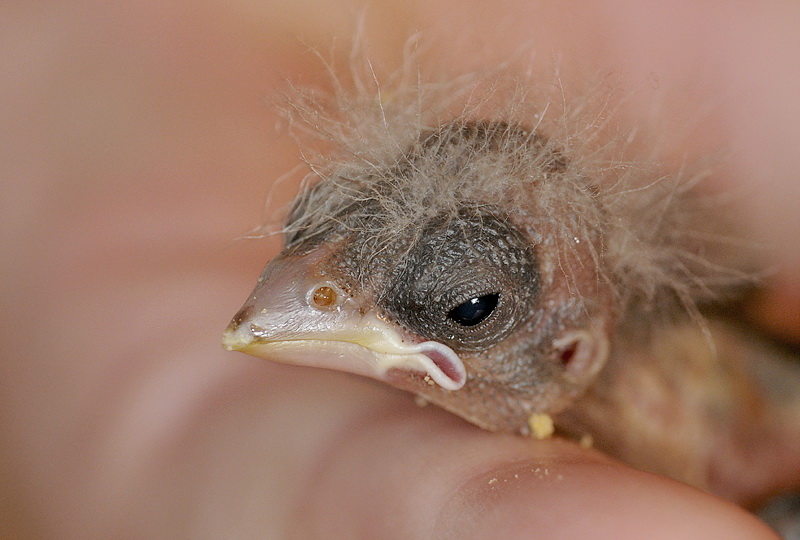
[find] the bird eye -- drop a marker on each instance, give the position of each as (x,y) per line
(475,310)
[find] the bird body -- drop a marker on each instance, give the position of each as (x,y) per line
(504,266)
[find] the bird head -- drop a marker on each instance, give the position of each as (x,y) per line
(466,269)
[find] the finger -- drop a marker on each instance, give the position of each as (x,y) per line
(424,474)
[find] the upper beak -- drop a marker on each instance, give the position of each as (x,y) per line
(296,315)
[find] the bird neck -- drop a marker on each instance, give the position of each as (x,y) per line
(718,413)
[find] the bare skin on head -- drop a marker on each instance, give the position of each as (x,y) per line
(507,274)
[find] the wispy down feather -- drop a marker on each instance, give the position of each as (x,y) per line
(657,237)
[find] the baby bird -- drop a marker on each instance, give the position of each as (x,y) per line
(503,272)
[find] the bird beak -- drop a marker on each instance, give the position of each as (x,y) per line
(297,316)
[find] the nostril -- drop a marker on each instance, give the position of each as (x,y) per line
(324,296)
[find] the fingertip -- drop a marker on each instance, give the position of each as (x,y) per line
(583,495)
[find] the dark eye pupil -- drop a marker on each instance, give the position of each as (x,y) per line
(474,310)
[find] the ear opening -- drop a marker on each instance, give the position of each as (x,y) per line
(582,354)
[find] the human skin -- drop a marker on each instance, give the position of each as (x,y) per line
(137,144)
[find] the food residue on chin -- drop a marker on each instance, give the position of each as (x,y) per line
(541,425)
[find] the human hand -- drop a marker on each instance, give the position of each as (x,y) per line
(138,142)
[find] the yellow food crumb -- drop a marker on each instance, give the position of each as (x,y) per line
(541,425)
